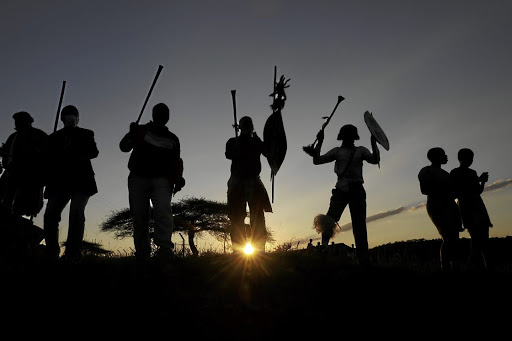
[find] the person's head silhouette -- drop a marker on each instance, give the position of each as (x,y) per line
(160,114)
(348,133)
(22,120)
(246,126)
(465,157)
(69,116)
(437,156)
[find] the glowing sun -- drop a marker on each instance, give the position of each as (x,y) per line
(248,249)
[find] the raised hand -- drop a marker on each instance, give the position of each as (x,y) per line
(484,177)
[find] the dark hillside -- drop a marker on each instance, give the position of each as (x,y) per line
(287,291)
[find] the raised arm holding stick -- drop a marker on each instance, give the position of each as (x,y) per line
(349,190)
(310,150)
(156,173)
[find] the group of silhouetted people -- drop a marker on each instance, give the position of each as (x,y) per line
(156,174)
(56,167)
(450,217)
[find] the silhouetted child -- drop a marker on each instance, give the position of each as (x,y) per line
(437,184)
(468,187)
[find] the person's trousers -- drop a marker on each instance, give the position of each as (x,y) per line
(157,190)
(355,198)
(243,193)
(52,217)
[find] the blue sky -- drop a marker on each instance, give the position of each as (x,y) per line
(434,73)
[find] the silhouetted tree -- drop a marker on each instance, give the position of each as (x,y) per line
(191,215)
(198,215)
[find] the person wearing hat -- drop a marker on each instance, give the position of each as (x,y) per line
(245,188)
(156,173)
(70,180)
(349,190)
(22,182)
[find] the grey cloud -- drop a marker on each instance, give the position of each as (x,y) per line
(498,185)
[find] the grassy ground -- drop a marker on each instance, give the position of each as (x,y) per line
(229,296)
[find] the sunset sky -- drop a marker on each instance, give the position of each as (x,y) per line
(434,73)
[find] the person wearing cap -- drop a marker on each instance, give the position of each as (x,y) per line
(349,190)
(70,180)
(156,173)
(246,188)
(22,182)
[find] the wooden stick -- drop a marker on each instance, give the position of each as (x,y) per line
(160,67)
(233,98)
(58,108)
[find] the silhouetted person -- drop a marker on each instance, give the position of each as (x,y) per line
(245,188)
(23,156)
(70,180)
(349,189)
(310,247)
(468,187)
(156,170)
(438,185)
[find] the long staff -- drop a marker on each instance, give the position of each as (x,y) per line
(233,97)
(58,108)
(160,67)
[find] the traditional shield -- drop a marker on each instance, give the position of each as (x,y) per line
(376,130)
(274,138)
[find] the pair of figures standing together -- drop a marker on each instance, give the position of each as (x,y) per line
(449,217)
(245,187)
(156,173)
(67,177)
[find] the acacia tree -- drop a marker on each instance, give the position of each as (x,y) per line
(192,215)
(198,215)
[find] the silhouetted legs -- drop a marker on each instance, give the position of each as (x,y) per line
(444,213)
(237,213)
(142,190)
(243,192)
(479,242)
(52,218)
(355,198)
(258,229)
(449,249)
